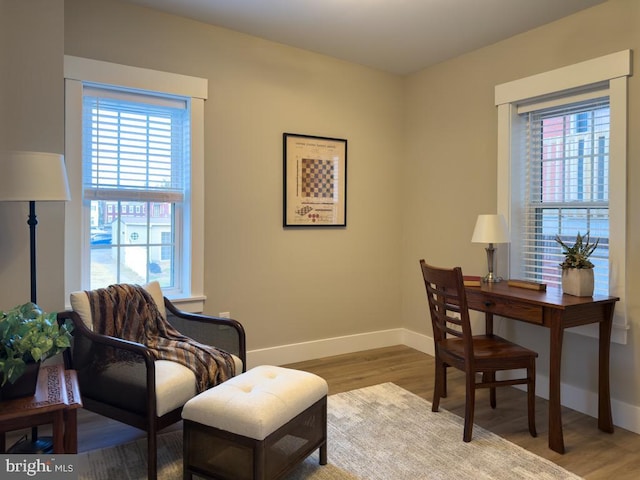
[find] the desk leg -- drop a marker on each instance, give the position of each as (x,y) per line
(556,440)
(70,431)
(488,323)
(58,432)
(605,420)
(488,330)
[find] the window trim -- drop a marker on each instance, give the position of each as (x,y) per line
(612,69)
(79,70)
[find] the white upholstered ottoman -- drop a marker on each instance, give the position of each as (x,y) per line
(257,425)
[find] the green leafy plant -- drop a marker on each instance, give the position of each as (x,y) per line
(27,334)
(577,256)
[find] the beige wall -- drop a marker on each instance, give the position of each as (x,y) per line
(5,51)
(422,166)
(285,286)
(31,69)
(450,172)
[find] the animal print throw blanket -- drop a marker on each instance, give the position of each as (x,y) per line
(130,313)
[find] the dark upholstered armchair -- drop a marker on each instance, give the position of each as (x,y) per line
(143,392)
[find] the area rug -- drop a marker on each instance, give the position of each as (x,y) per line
(381,432)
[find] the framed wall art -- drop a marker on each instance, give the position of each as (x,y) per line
(315,181)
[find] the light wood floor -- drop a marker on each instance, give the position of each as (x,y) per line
(590,453)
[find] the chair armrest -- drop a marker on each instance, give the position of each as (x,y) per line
(224,333)
(87,356)
(80,329)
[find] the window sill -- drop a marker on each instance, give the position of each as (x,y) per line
(190,304)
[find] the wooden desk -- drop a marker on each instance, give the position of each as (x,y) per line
(555,311)
(56,401)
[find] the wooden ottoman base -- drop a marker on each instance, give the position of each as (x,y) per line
(212,452)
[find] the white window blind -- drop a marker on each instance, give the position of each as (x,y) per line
(135,149)
(566,186)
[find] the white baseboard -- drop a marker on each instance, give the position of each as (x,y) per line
(299,352)
(584,401)
(624,415)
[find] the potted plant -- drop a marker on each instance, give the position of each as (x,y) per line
(28,336)
(577,269)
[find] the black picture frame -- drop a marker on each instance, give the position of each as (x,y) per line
(315,181)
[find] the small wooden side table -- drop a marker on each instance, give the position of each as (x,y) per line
(56,401)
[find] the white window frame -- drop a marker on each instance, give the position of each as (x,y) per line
(611,70)
(79,70)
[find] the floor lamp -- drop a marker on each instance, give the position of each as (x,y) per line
(34,177)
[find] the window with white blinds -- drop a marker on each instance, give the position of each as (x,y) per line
(567,186)
(562,162)
(135,172)
(134,150)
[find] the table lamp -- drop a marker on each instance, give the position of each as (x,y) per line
(490,229)
(31,177)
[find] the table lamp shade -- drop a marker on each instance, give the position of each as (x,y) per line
(33,176)
(490,229)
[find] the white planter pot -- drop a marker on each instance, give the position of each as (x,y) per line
(578,281)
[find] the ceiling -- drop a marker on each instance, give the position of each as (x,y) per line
(397,36)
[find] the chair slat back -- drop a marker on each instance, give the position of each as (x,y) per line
(447,304)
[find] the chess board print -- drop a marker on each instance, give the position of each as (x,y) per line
(316,178)
(315,181)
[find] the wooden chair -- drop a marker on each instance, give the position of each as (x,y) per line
(144,392)
(456,346)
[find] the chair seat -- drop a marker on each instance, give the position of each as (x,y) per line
(176,384)
(487,347)
(123,385)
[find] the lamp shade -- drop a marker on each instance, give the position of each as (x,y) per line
(33,176)
(490,229)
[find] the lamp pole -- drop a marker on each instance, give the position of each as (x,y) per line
(32,222)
